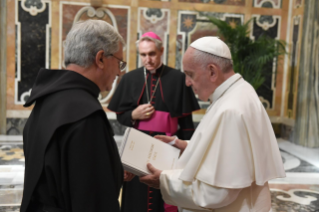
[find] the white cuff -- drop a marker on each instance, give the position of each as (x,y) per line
(173,142)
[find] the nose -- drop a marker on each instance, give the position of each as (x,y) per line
(148,58)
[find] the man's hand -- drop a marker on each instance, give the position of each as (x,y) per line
(128,176)
(152,179)
(143,112)
(180,144)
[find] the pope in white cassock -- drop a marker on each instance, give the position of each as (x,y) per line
(233,153)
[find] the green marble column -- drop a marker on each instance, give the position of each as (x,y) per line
(307,119)
(3,65)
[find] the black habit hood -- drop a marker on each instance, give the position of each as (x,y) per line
(52,81)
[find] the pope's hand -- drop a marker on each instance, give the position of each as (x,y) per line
(180,144)
(142,112)
(128,176)
(152,179)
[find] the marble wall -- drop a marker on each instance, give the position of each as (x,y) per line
(33,24)
(40,27)
(116,15)
(291,70)
(307,119)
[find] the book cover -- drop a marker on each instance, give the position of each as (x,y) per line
(138,149)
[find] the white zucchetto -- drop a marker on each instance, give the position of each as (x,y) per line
(212,45)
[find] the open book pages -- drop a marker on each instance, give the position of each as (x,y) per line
(138,149)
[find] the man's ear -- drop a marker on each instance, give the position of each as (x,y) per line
(213,72)
(162,50)
(99,59)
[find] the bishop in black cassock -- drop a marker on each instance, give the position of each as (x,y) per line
(173,102)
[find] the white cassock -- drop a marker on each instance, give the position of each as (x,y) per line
(230,158)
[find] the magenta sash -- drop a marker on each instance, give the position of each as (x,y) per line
(159,122)
(170,208)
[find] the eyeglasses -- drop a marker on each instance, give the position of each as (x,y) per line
(122,63)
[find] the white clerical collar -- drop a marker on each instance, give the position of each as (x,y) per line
(221,89)
(154,71)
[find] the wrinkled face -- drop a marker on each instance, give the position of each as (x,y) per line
(150,54)
(196,77)
(112,68)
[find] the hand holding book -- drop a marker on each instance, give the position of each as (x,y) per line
(152,179)
(138,149)
(180,144)
(128,176)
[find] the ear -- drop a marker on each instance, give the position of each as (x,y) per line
(99,59)
(162,50)
(213,72)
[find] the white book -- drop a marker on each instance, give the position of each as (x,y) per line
(138,149)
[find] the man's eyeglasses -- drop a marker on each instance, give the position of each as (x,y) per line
(122,63)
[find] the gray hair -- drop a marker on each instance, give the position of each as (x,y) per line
(88,37)
(204,59)
(158,43)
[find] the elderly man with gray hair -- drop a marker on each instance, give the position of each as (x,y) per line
(233,153)
(71,159)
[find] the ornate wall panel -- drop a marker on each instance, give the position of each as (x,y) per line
(223,2)
(178,22)
(292,86)
(298,3)
(155,20)
(291,72)
(268,3)
(33,34)
(117,16)
(268,25)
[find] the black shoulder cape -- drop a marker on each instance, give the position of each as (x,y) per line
(178,97)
